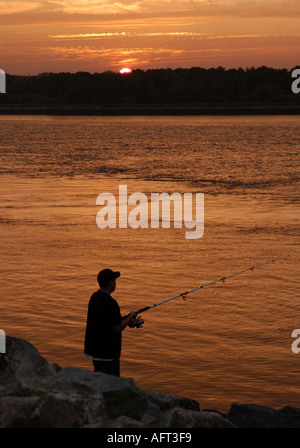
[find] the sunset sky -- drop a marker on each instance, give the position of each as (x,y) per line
(97,35)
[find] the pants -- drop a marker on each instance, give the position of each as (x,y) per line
(109,367)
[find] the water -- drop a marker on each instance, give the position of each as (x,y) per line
(227,343)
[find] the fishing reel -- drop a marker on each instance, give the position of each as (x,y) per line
(136,323)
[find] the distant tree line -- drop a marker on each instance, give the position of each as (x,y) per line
(154,87)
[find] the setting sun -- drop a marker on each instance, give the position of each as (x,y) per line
(125,71)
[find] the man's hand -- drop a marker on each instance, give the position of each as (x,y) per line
(125,322)
(132,316)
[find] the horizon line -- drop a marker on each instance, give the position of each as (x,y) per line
(159,68)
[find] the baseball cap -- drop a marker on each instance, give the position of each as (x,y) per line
(106,275)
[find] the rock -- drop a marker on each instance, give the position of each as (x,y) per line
(34,394)
(132,401)
(288,417)
(16,412)
(256,416)
(165,402)
(125,402)
(99,382)
(55,368)
(37,412)
(22,359)
(3,362)
(124,422)
(121,395)
(120,422)
(250,416)
(59,403)
(182,418)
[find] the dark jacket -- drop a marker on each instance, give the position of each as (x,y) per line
(101,341)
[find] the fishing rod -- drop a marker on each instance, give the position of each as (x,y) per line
(138,322)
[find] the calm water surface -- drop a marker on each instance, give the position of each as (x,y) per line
(227,343)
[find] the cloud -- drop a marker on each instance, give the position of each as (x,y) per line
(96,6)
(243,8)
(197,8)
(185,34)
(11,7)
(94,34)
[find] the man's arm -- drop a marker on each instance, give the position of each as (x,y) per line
(125,321)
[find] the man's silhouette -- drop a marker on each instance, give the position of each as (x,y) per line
(103,338)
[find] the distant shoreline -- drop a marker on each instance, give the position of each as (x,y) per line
(145,110)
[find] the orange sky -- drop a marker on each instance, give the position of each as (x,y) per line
(96,35)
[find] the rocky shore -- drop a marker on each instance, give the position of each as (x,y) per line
(35,394)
